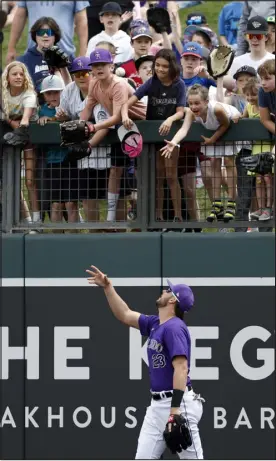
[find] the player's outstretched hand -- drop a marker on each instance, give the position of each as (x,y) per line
(97,277)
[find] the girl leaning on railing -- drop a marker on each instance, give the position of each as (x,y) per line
(20,107)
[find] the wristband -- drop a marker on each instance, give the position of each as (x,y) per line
(177,398)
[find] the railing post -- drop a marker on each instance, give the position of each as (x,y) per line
(143,189)
(8,188)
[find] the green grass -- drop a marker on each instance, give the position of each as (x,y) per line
(211,11)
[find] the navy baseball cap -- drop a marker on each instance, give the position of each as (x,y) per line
(79,64)
(183,294)
(245,70)
(192,49)
(111,7)
(100,56)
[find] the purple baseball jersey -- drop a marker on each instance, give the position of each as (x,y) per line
(165,342)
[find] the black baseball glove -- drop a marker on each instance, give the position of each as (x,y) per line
(261,163)
(74,132)
(177,434)
(220,60)
(79,151)
(56,58)
(159,19)
(20,136)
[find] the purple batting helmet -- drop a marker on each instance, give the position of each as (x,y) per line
(183,294)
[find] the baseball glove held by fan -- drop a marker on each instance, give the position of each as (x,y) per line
(159,19)
(74,132)
(220,60)
(56,58)
(18,137)
(261,164)
(177,434)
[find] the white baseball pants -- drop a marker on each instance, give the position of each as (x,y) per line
(151,443)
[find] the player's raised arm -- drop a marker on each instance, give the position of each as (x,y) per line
(118,306)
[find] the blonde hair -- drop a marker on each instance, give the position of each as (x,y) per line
(27,85)
(252,86)
(110,47)
(200,90)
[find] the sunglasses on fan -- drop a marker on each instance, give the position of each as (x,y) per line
(41,32)
(81,73)
(257,36)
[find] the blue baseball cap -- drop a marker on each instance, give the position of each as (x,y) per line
(100,56)
(183,294)
(192,49)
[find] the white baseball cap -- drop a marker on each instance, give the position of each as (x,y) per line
(52,83)
(131,140)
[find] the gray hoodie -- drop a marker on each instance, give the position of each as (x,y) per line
(250,10)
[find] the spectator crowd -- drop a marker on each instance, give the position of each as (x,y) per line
(128,68)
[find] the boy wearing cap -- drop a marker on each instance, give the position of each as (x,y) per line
(237,98)
(192,69)
(250,10)
(110,17)
(60,178)
(141,41)
(144,67)
(257,31)
(112,92)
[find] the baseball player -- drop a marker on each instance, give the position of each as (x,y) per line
(174,413)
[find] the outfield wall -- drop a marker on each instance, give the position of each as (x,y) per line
(83,388)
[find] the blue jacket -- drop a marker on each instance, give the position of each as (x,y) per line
(37,67)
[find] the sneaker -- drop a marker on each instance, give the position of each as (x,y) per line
(216,212)
(265,216)
(230,212)
(256,214)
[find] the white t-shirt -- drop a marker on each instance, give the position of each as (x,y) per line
(120,40)
(17,104)
(246,60)
(71,101)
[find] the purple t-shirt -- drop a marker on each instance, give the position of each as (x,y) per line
(165,342)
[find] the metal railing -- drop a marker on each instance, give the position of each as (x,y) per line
(66,195)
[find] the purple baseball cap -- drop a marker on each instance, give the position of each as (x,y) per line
(100,56)
(183,294)
(140,32)
(138,23)
(79,64)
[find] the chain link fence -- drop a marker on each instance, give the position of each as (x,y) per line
(43,188)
